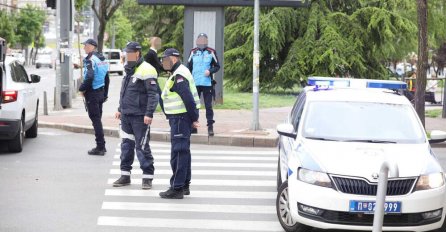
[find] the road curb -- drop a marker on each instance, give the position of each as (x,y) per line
(161,136)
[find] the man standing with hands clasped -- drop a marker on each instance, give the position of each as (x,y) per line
(138,100)
(180,104)
(203,63)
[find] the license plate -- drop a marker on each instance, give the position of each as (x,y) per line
(369,206)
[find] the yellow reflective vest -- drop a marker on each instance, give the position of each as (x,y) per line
(173,104)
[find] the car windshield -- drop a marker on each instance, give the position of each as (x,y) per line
(362,122)
(44,57)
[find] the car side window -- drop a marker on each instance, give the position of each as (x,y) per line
(20,74)
(24,74)
(297,113)
(14,74)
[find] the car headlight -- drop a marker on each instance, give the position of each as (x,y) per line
(314,177)
(430,181)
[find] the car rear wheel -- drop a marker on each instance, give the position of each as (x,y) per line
(284,212)
(33,131)
(16,144)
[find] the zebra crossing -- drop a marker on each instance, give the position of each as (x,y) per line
(232,189)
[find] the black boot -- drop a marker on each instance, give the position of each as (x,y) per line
(146,183)
(122,181)
(97,151)
(194,131)
(186,191)
(172,194)
(211,130)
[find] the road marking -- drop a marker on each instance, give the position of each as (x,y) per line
(229,165)
(204,172)
(247,158)
(195,194)
(214,152)
(250,183)
(191,223)
(210,208)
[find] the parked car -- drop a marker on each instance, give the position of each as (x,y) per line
(114,57)
(19,104)
(331,150)
(44,60)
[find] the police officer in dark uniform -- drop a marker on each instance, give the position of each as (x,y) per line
(94,89)
(180,103)
(138,101)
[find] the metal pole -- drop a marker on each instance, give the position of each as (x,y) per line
(256,65)
(378,218)
(45,103)
(57,103)
(443,115)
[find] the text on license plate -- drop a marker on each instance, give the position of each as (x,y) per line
(369,206)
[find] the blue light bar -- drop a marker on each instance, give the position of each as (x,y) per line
(386,84)
(332,82)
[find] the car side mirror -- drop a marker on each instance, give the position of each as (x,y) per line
(35,78)
(437,136)
(287,130)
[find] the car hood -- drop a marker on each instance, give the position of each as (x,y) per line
(365,159)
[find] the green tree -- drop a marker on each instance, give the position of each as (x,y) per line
(330,38)
(7,25)
(122,28)
(165,22)
(104,12)
(29,26)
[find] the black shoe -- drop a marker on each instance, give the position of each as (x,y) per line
(122,181)
(146,183)
(211,130)
(97,151)
(172,194)
(194,131)
(186,191)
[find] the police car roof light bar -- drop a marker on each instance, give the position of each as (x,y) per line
(333,82)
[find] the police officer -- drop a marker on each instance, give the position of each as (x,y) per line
(138,101)
(180,104)
(94,89)
(203,64)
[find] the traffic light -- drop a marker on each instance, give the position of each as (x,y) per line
(51,4)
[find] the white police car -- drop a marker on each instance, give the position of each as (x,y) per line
(331,148)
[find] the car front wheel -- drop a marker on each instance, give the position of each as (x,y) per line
(289,224)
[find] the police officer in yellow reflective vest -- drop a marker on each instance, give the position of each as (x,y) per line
(180,103)
(138,100)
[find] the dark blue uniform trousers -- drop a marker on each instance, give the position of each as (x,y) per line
(206,91)
(180,160)
(94,100)
(136,136)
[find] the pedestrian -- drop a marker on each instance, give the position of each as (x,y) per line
(180,104)
(203,63)
(138,100)
(94,89)
(152,55)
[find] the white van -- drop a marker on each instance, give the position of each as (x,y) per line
(114,57)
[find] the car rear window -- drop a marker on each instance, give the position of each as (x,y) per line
(113,55)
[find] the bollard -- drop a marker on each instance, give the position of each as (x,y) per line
(378,218)
(45,103)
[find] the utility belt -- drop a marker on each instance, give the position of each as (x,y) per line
(98,90)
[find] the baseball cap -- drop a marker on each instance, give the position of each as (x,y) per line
(90,41)
(132,47)
(171,52)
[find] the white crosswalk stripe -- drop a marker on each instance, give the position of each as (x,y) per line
(232,189)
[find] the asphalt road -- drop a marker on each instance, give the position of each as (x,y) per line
(53,185)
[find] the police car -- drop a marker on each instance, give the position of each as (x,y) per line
(331,149)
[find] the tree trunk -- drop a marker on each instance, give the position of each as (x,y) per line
(422,63)
(102,26)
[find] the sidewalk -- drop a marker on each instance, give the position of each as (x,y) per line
(231,127)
